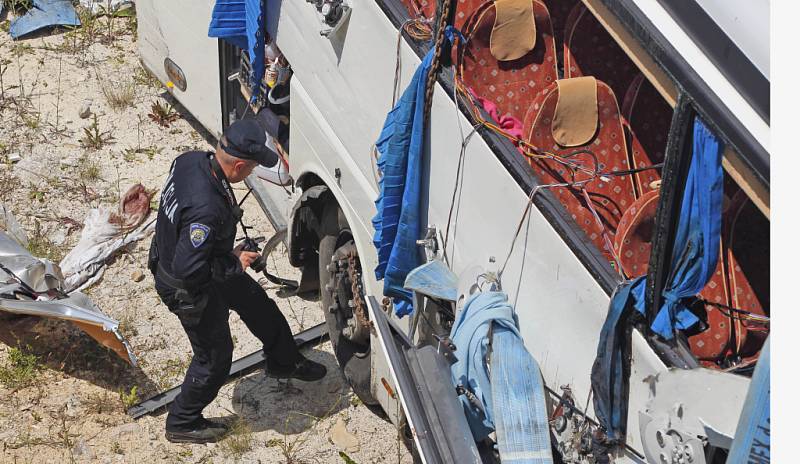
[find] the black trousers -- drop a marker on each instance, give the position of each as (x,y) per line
(212,345)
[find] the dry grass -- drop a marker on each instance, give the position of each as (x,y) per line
(39,244)
(118,95)
(99,403)
(239,440)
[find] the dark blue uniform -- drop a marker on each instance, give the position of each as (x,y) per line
(199,278)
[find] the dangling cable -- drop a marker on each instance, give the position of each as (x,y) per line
(603,230)
(524,215)
(459,174)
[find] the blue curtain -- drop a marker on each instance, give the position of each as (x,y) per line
(241,23)
(694,259)
(696,250)
(397,223)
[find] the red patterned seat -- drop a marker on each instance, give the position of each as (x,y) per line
(511,85)
(611,196)
(420,8)
(465,9)
(743,246)
(559,13)
(646,117)
(590,51)
(744,242)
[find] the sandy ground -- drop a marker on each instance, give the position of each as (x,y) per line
(71,410)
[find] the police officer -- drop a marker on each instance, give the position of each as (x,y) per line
(199,275)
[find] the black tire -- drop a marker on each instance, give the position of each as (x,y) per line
(354,359)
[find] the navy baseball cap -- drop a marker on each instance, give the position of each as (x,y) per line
(247,139)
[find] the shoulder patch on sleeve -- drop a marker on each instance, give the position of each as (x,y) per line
(198,233)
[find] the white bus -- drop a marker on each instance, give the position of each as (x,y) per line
(588,113)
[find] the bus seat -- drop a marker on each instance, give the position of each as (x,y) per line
(611,196)
(646,118)
(420,8)
(634,234)
(559,13)
(590,51)
(465,11)
(734,284)
(511,85)
(730,285)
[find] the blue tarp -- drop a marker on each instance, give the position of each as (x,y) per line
(241,23)
(397,223)
(694,259)
(44,13)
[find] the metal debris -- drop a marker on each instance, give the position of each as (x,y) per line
(34,287)
(44,13)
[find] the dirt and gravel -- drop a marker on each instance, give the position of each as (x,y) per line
(77,110)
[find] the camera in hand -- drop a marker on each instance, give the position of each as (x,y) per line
(251,244)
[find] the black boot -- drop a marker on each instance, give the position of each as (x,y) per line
(304,369)
(204,431)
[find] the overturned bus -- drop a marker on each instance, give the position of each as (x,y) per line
(587,180)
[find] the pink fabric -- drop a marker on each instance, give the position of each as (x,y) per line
(506,122)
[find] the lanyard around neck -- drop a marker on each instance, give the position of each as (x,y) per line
(237,211)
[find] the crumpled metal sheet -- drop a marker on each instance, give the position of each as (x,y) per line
(80,310)
(44,13)
(45,276)
(41,275)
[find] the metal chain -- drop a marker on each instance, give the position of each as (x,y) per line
(431,81)
(359,306)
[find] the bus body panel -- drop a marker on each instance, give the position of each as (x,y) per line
(178,30)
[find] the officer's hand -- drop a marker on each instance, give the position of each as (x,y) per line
(245,257)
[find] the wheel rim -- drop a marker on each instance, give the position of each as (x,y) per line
(347,295)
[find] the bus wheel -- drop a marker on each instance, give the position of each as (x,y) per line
(344,305)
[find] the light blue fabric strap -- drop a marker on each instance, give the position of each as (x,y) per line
(519,406)
(470,334)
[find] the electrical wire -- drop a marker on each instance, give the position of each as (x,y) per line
(459,175)
(736,313)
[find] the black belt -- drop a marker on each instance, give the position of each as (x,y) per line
(168,279)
